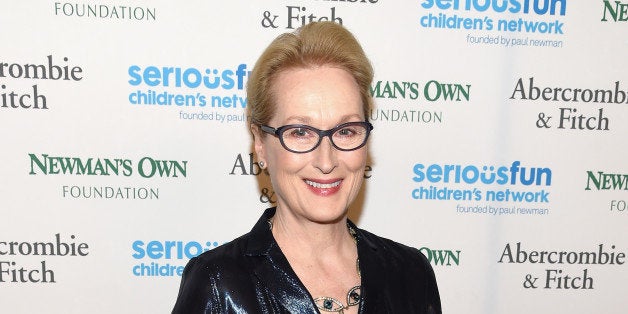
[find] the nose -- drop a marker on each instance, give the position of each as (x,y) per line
(325,158)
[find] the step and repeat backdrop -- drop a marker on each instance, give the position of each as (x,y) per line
(499,149)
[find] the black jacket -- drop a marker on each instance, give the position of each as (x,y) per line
(251,275)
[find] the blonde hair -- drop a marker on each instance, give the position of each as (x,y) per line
(315,44)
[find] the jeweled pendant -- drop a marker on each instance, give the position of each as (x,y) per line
(353,296)
(329,304)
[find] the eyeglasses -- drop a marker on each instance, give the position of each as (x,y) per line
(300,138)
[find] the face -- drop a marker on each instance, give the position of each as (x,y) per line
(317,186)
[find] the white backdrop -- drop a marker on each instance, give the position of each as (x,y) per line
(499,146)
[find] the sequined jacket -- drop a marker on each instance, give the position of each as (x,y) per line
(251,275)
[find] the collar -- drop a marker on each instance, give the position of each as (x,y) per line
(272,268)
(261,239)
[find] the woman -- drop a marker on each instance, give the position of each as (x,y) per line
(308,97)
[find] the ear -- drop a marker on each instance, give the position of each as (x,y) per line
(258,143)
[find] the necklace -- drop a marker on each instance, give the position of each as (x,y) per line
(329,304)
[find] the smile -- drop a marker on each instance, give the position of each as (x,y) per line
(323,185)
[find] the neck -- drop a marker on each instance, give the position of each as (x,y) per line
(312,239)
(324,257)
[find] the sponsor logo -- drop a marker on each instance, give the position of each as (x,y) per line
(518,187)
(615,11)
(246,165)
(557,276)
(535,7)
(145,167)
(619,206)
(13,271)
(165,258)
(293,17)
(191,89)
(568,117)
(441,257)
(492,23)
(470,174)
(104,11)
(603,181)
(432,92)
(33,97)
(599,180)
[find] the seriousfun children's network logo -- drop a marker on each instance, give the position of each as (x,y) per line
(518,192)
(165,258)
(191,89)
(520,25)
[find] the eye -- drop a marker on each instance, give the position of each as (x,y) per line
(350,131)
(299,133)
(347,131)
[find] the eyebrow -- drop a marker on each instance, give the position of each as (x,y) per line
(307,120)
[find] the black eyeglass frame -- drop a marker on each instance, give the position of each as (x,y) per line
(278,132)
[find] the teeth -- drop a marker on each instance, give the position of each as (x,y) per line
(322,185)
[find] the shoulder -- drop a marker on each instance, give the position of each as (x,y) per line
(227,254)
(222,265)
(207,276)
(400,262)
(393,251)
(401,275)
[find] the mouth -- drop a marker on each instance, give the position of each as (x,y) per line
(324,188)
(320,185)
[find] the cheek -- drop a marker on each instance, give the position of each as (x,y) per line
(283,162)
(357,161)
(355,166)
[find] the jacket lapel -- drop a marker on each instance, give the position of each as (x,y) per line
(373,271)
(273,270)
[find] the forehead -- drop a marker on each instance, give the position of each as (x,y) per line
(316,95)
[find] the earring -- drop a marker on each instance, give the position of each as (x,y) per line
(262,164)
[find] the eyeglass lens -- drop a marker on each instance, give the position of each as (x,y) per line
(304,138)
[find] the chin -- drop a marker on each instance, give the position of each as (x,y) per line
(327,214)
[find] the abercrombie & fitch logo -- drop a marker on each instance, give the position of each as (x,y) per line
(557,276)
(568,117)
(33,98)
(299,15)
(16,272)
